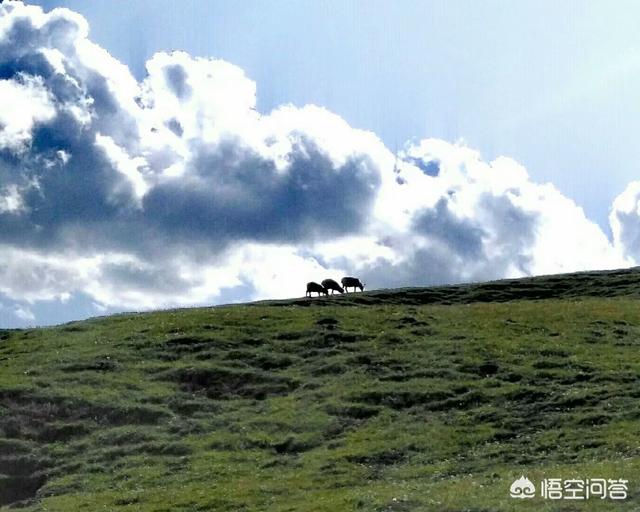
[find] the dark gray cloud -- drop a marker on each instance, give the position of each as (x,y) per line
(85,190)
(459,248)
(236,194)
(177,80)
(629,233)
(143,278)
(460,236)
(514,231)
(429,167)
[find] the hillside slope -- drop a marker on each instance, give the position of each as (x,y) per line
(393,400)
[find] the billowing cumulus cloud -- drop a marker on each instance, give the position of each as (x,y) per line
(176,190)
(625,221)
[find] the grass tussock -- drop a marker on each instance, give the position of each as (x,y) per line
(397,400)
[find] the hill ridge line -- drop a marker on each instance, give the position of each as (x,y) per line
(595,283)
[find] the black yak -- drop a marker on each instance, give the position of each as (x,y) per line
(330,284)
(352,282)
(315,287)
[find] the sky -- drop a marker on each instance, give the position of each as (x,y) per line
(277,125)
(550,84)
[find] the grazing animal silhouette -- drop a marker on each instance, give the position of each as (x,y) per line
(330,284)
(315,287)
(352,282)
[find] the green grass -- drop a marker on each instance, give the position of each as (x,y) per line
(400,400)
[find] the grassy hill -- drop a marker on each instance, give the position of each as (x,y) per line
(394,400)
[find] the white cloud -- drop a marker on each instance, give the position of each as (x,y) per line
(24,102)
(11,200)
(131,168)
(24,313)
(19,313)
(176,191)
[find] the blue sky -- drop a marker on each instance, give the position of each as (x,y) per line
(196,152)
